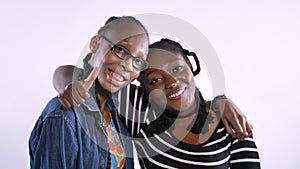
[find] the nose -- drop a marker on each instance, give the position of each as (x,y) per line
(171,82)
(126,64)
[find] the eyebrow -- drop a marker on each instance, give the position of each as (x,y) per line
(153,71)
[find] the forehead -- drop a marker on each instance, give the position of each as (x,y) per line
(137,45)
(121,31)
(162,58)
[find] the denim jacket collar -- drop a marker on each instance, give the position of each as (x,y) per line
(91,105)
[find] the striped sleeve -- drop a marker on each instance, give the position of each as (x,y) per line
(244,154)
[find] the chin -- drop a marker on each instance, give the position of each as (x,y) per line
(174,108)
(114,89)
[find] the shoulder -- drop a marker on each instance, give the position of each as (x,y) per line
(55,111)
(54,120)
(244,154)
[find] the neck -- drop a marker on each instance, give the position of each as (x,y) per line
(193,109)
(184,114)
(103,95)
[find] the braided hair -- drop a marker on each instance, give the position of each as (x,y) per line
(168,44)
(87,68)
(198,125)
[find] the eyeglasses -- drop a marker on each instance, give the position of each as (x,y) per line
(124,54)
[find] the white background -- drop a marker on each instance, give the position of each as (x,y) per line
(256,41)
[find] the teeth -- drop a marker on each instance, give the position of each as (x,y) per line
(118,77)
(176,94)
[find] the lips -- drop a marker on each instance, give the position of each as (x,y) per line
(176,94)
(116,78)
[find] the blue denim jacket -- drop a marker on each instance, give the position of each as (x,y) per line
(74,137)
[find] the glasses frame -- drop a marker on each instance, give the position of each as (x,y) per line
(128,53)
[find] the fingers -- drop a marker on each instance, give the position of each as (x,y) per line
(228,128)
(77,92)
(232,114)
(249,129)
(244,134)
(83,94)
(64,102)
(76,97)
(70,96)
(236,124)
(88,82)
(234,120)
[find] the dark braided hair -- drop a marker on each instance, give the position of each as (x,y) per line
(87,68)
(168,44)
(122,20)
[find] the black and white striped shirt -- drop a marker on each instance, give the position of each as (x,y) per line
(163,150)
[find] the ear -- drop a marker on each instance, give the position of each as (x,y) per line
(94,44)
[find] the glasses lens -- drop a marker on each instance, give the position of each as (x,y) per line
(123,53)
(120,51)
(139,63)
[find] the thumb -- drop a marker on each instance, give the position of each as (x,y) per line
(88,82)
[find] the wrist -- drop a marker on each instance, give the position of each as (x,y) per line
(223,96)
(218,103)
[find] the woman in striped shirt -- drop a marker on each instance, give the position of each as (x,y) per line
(178,131)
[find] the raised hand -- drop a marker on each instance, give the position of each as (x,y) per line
(76,92)
(232,116)
(235,121)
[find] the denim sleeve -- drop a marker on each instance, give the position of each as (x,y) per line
(53,143)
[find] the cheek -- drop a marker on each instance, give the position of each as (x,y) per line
(110,59)
(158,96)
(135,75)
(101,76)
(189,77)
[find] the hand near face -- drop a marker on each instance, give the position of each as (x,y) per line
(234,120)
(76,92)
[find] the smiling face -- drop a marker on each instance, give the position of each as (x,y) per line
(116,73)
(169,81)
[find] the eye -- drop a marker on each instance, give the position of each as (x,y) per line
(139,62)
(177,69)
(120,51)
(155,80)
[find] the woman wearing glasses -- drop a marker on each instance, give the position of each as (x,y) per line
(92,135)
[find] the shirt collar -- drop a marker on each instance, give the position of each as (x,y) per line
(91,103)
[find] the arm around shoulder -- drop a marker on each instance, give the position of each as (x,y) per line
(63,75)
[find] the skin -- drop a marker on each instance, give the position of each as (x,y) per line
(116,73)
(170,81)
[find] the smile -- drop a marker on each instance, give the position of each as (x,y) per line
(176,95)
(118,77)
